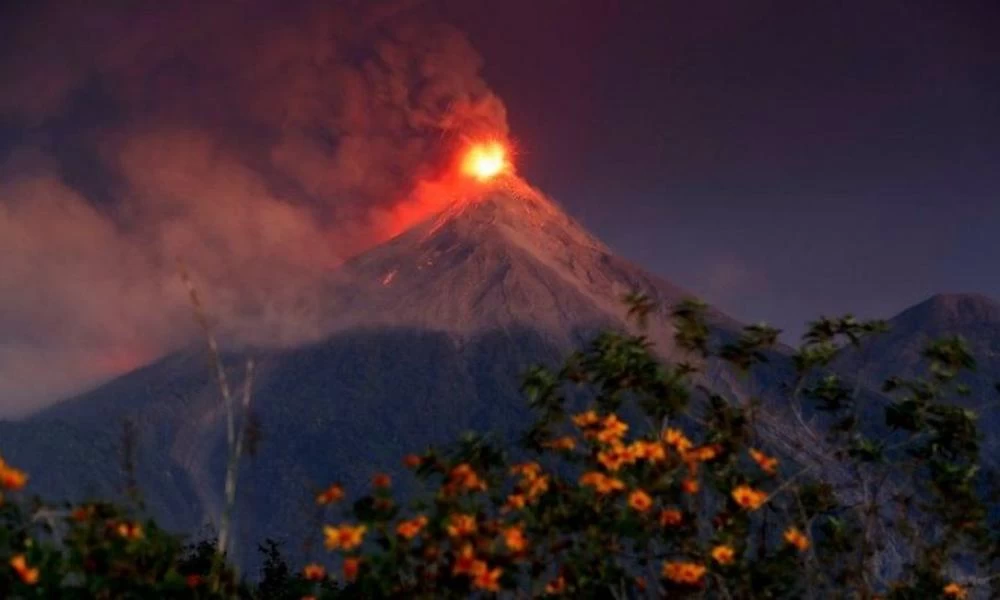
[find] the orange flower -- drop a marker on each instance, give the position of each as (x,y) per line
(514,538)
(465,561)
(748,498)
(514,502)
(528,470)
(767,464)
(690,486)
(564,443)
(129,531)
(537,486)
(677,439)
(334,493)
(350,568)
(193,580)
(556,586)
(461,525)
(687,573)
(381,481)
(412,461)
(82,513)
(11,478)
(344,537)
(314,572)
(601,483)
(613,429)
(796,538)
(464,477)
(640,501)
(671,517)
(702,453)
(28,575)
(723,554)
(953,590)
(651,451)
(487,579)
(614,457)
(410,529)
(586,419)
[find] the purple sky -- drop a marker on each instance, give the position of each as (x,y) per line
(783,158)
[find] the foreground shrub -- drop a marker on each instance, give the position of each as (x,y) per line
(636,480)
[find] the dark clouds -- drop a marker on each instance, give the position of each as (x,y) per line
(260,143)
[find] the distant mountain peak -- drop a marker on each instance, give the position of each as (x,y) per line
(951,311)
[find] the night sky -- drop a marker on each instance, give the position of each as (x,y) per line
(781,159)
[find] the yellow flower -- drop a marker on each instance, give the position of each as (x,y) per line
(687,573)
(640,501)
(767,464)
(953,590)
(514,538)
(613,429)
(556,586)
(314,572)
(28,575)
(748,498)
(344,537)
(334,493)
(677,439)
(461,525)
(723,554)
(410,529)
(487,579)
(586,419)
(796,538)
(601,483)
(564,443)
(671,517)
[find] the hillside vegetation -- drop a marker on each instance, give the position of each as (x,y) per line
(634,480)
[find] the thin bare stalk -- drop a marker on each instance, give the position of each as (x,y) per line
(234,437)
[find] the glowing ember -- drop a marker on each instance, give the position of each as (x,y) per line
(485,161)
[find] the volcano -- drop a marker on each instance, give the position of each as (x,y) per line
(430,334)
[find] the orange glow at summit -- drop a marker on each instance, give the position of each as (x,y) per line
(486,160)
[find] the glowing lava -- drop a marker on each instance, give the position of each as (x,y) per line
(485,161)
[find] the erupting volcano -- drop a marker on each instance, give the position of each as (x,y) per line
(485,161)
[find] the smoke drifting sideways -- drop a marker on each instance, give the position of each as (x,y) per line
(260,144)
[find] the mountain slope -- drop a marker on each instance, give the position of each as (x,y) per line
(432,331)
(974,317)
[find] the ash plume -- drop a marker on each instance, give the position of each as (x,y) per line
(260,143)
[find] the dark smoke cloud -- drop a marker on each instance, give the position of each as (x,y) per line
(259,142)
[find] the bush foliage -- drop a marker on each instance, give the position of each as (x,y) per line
(635,480)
